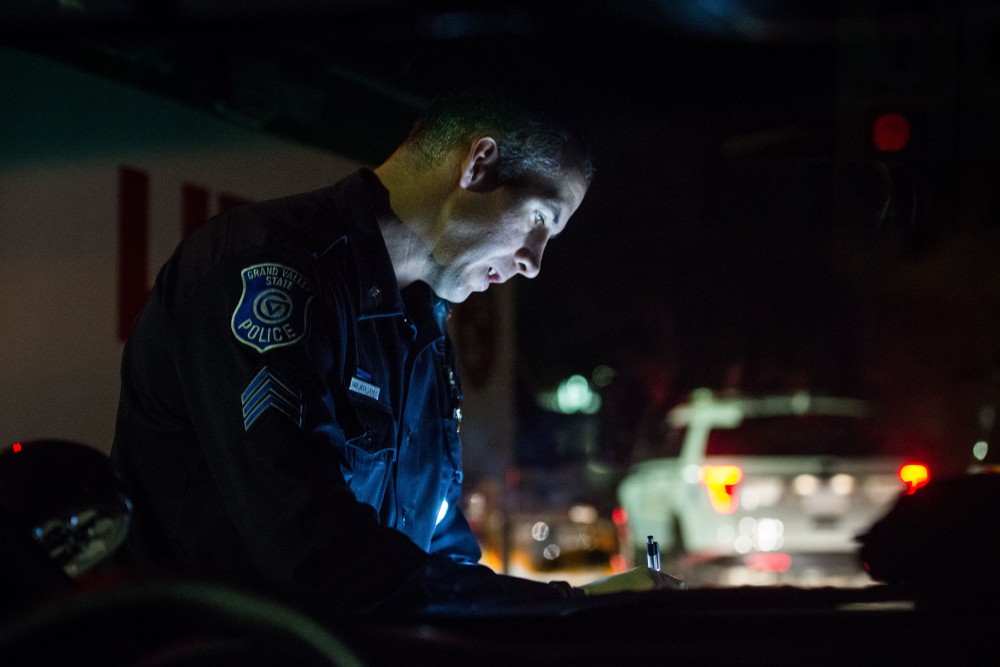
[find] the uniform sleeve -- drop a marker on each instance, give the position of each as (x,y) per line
(254,347)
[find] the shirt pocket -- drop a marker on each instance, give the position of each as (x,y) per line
(368,456)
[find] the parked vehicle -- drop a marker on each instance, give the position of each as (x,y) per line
(765,490)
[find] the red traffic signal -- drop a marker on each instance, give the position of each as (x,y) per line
(891,132)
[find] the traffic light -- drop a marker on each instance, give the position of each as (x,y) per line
(896,134)
(897,143)
(890,132)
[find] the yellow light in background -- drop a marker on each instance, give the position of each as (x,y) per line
(720,482)
(914,475)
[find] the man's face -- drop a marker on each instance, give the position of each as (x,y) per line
(491,236)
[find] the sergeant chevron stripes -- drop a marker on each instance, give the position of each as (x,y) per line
(269,390)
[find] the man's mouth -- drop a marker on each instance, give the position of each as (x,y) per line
(492,275)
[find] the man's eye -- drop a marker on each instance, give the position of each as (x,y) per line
(538,219)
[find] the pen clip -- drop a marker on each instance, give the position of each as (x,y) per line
(652,554)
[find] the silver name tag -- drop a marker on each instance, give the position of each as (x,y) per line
(359,386)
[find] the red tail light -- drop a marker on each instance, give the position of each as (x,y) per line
(914,475)
(624,560)
(721,483)
(619,516)
(769,562)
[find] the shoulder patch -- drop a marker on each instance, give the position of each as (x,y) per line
(273,308)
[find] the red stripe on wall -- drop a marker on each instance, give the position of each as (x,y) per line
(194,207)
(133,245)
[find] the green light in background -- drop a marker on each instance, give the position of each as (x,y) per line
(980,449)
(575,395)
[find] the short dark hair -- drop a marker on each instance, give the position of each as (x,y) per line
(530,140)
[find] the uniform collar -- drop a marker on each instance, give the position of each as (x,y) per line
(361,201)
(427,311)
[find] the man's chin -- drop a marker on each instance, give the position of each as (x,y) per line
(457,291)
(456,295)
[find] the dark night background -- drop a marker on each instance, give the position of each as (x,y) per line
(740,231)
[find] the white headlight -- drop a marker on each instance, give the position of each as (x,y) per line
(805,485)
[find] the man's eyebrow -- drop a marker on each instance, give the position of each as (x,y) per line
(553,211)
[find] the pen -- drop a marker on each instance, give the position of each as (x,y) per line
(652,554)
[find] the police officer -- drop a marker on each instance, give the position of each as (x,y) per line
(289,403)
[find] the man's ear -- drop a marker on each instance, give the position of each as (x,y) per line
(480,171)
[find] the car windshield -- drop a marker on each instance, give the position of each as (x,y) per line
(808,435)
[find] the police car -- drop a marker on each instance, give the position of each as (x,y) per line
(764,490)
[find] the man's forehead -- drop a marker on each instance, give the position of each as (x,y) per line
(571,187)
(566,184)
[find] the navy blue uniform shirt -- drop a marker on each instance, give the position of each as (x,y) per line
(287,417)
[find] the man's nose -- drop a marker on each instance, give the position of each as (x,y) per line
(529,257)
